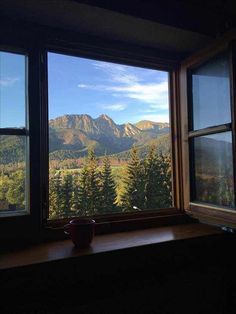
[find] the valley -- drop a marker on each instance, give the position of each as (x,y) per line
(120,155)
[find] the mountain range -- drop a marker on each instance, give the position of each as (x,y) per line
(71,135)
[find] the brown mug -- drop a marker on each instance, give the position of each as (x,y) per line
(81,231)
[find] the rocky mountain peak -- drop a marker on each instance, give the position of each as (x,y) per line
(105,117)
(131,130)
(104,126)
(107,126)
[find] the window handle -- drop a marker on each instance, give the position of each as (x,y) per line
(228,229)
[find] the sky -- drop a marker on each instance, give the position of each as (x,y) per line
(12,90)
(85,86)
(124,93)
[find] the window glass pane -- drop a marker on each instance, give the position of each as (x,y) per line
(214,169)
(109,138)
(211,93)
(12,90)
(13,176)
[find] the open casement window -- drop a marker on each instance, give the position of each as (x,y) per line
(208,130)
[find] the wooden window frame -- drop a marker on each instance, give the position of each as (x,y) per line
(207,213)
(26,225)
(109,223)
(24,132)
(36,42)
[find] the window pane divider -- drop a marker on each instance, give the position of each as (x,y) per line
(12,131)
(211,130)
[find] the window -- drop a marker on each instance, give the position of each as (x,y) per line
(109,138)
(14,135)
(211,134)
(85,137)
(65,119)
(209,148)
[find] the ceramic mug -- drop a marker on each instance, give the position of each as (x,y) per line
(81,231)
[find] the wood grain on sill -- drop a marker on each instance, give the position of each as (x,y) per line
(52,251)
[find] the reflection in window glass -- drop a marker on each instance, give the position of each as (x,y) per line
(211,93)
(12,90)
(109,138)
(13,173)
(214,169)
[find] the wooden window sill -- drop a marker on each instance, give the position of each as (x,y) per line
(61,250)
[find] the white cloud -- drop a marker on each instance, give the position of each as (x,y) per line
(83,86)
(149,88)
(125,79)
(8,81)
(115,107)
(117,73)
(92,87)
(109,67)
(124,83)
(154,94)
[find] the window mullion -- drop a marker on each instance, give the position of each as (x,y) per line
(35,139)
(44,160)
(11,131)
(211,130)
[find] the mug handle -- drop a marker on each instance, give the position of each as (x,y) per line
(66,229)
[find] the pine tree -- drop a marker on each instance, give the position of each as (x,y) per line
(108,188)
(165,199)
(83,192)
(75,196)
(93,186)
(55,197)
(134,195)
(66,195)
(89,192)
(153,180)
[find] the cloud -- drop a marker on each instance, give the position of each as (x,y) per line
(8,81)
(117,73)
(115,107)
(92,87)
(155,94)
(83,86)
(126,83)
(125,79)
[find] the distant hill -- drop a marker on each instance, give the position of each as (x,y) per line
(162,144)
(145,125)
